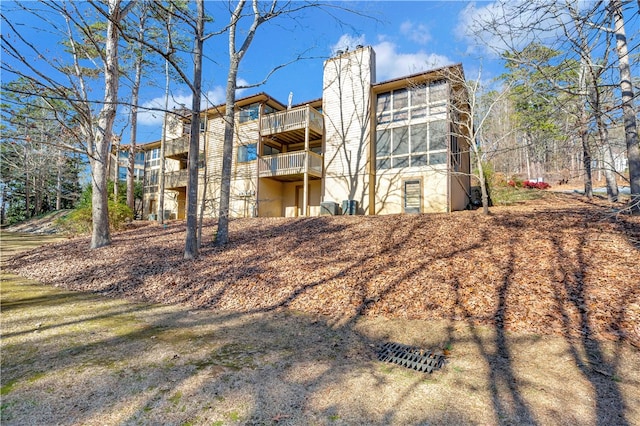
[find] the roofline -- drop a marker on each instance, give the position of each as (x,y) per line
(421,75)
(261,96)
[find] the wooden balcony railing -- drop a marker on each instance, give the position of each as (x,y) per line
(177,146)
(291,163)
(293,119)
(176,179)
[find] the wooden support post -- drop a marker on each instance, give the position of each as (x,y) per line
(305,198)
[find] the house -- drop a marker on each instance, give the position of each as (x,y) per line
(119,162)
(398,146)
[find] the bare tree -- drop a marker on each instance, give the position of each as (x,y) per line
(259,13)
(135,90)
(628,110)
(574,33)
(96,132)
(191,240)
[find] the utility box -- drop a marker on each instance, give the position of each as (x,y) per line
(329,208)
(350,207)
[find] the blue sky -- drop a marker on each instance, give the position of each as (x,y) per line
(408,37)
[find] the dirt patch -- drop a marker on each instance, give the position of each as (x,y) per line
(537,307)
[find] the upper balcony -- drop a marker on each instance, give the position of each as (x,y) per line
(290,166)
(177,148)
(289,126)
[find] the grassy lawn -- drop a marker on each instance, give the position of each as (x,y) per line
(81,358)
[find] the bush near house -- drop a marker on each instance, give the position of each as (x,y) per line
(79,221)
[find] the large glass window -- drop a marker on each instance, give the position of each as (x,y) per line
(269,150)
(247,153)
(412,146)
(249,112)
(153,158)
(408,133)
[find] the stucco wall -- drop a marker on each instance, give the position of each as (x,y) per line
(390,191)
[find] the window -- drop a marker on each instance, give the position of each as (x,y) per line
(203,125)
(249,112)
(269,150)
(412,196)
(409,133)
(414,145)
(247,153)
(152,178)
(153,158)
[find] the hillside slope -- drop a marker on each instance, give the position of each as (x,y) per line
(561,266)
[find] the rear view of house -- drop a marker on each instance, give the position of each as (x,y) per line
(398,146)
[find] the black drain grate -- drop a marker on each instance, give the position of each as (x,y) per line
(411,357)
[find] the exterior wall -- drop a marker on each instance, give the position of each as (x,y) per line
(242,201)
(270,198)
(175,126)
(289,192)
(346,104)
(389,196)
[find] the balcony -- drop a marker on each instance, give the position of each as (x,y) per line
(176,179)
(289,126)
(177,148)
(290,166)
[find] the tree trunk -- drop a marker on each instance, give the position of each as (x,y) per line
(222,236)
(629,115)
(584,134)
(135,90)
(191,242)
(101,235)
(165,121)
(60,164)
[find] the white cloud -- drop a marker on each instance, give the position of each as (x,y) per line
(392,64)
(415,32)
(347,42)
(389,62)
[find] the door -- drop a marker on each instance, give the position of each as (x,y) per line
(299,200)
(412,196)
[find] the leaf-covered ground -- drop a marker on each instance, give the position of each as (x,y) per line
(561,266)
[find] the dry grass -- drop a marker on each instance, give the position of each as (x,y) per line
(82,358)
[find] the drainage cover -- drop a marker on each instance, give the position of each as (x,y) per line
(410,357)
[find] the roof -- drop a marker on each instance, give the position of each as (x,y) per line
(430,75)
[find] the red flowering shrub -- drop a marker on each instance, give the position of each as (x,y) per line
(535,185)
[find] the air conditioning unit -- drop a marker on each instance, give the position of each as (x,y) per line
(329,208)
(350,207)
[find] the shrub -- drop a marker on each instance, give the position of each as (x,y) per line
(515,183)
(79,221)
(535,185)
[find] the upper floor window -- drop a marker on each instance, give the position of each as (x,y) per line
(247,153)
(415,145)
(269,150)
(412,103)
(153,158)
(411,126)
(249,112)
